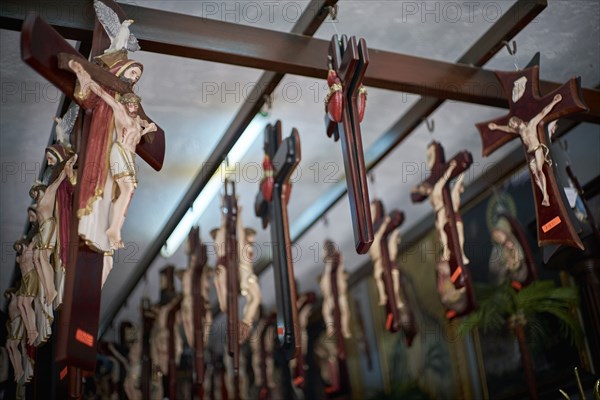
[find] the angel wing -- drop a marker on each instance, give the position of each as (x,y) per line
(108,18)
(64,125)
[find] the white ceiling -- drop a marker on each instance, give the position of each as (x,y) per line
(174,94)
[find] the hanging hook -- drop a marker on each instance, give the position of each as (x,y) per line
(430,124)
(325,221)
(512,51)
(371,177)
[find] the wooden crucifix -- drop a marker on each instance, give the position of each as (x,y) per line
(230,210)
(387,275)
(77,330)
(202,314)
(304,304)
(285,156)
(147,376)
(335,306)
(349,60)
(173,356)
(528,116)
(448,222)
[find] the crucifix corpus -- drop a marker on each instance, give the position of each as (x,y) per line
(457,293)
(527,119)
(389,283)
(271,206)
(50,55)
(345,106)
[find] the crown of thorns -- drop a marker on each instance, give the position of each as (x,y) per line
(130,98)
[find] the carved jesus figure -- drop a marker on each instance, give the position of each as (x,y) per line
(129,130)
(537,153)
(249,286)
(326,290)
(29,289)
(375,254)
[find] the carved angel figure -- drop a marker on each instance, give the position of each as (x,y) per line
(117,31)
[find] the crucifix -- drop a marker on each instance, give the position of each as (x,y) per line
(392,293)
(285,155)
(448,223)
(44,49)
(336,315)
(349,60)
(173,352)
(262,356)
(195,306)
(78,327)
(527,119)
(202,313)
(231,263)
(304,304)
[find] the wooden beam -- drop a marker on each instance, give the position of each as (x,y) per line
(308,24)
(291,53)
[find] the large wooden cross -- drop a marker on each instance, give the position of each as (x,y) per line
(285,156)
(41,48)
(350,59)
(437,189)
(529,114)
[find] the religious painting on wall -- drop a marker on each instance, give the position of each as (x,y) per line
(501,242)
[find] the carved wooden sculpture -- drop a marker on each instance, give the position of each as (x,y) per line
(262,356)
(349,60)
(40,46)
(249,285)
(452,263)
(285,156)
(15,332)
(336,316)
(527,119)
(392,293)
(297,365)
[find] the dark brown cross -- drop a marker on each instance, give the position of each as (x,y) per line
(41,46)
(198,253)
(527,107)
(231,264)
(333,255)
(350,61)
(393,321)
(285,156)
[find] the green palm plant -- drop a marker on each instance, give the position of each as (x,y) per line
(521,312)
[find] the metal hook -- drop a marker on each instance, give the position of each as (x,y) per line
(512,51)
(430,125)
(325,221)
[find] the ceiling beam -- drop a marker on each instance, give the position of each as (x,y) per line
(290,53)
(309,22)
(491,42)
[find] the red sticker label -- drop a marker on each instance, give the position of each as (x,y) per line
(63,373)
(84,337)
(456,274)
(551,224)
(280,330)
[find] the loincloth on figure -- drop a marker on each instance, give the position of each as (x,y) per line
(546,151)
(47,235)
(122,164)
(30,284)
